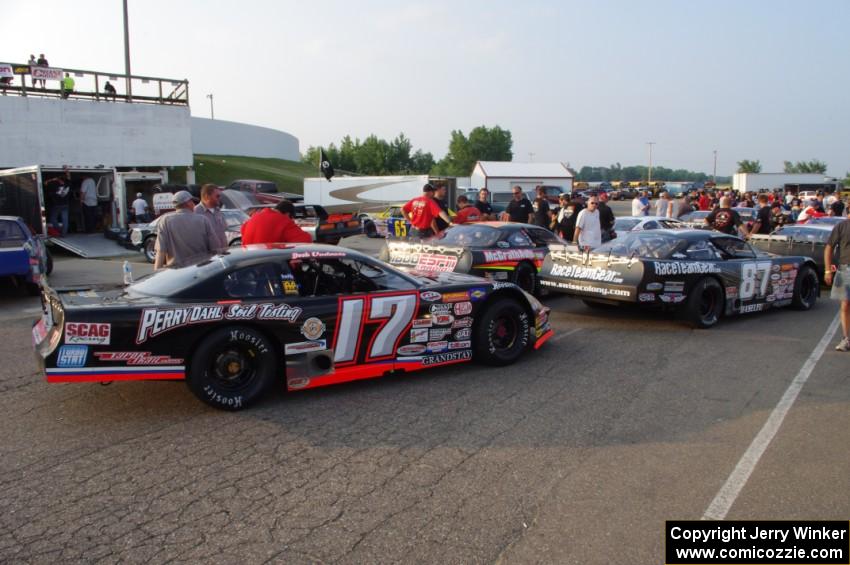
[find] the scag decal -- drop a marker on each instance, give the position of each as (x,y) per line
(86,333)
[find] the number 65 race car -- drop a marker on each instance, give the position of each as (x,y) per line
(299,316)
(702,274)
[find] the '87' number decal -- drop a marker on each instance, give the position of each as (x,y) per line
(394,314)
(748,279)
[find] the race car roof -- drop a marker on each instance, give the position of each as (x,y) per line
(252,253)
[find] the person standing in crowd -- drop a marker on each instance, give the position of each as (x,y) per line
(664,206)
(606,218)
(42,62)
(567,217)
(32,63)
(484,206)
(682,206)
(210,207)
(59,197)
(520,209)
(466,212)
(183,238)
(88,199)
(541,208)
(704,201)
(839,240)
(588,232)
(140,209)
(810,211)
(440,198)
(67,85)
(762,225)
(725,219)
(422,213)
(837,207)
(777,217)
(109,90)
(640,205)
(274,225)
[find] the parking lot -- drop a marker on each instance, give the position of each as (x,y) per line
(576,454)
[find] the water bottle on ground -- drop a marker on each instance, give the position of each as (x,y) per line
(128,272)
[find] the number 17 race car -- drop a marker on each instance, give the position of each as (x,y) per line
(299,316)
(702,274)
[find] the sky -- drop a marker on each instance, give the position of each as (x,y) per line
(585,83)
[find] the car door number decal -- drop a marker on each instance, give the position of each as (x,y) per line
(394,313)
(400,228)
(748,279)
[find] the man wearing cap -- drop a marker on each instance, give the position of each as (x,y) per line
(274,225)
(140,209)
(210,208)
(183,237)
(422,213)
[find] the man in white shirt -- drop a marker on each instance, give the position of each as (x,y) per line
(140,209)
(588,229)
(88,198)
(639,208)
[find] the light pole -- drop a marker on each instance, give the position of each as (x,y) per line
(212,113)
(714,176)
(649,176)
(127,54)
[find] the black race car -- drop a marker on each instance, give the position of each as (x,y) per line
(297,316)
(703,274)
(493,250)
(806,239)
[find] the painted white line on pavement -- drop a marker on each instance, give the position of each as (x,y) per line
(563,335)
(725,498)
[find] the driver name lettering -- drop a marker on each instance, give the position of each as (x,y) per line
(682,268)
(156,321)
(586,273)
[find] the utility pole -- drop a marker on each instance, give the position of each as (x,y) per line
(650,144)
(127,54)
(212,113)
(714,176)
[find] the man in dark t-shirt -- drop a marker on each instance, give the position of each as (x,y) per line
(541,208)
(484,206)
(839,244)
(520,208)
(763,217)
(725,219)
(440,197)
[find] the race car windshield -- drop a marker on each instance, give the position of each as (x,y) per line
(642,244)
(470,236)
(625,224)
(169,282)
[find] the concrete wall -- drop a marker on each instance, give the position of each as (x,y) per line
(90,133)
(219,137)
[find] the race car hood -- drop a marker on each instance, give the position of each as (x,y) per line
(424,256)
(436,277)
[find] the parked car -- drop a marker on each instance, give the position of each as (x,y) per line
(23,255)
(265,191)
(624,224)
(807,240)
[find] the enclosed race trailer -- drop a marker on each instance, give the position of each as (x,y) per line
(370,194)
(755,182)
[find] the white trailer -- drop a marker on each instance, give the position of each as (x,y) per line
(499,177)
(755,182)
(369,194)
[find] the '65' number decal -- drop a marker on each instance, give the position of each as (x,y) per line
(748,279)
(393,313)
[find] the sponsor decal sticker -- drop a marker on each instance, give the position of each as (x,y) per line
(430,296)
(498,285)
(731,291)
(290,287)
(72,356)
(298,383)
(749,308)
(436,263)
(674,298)
(443,319)
(447,357)
(462,323)
(654,286)
(156,321)
(646,297)
(438,334)
(463,308)
(136,358)
(460,345)
(503,244)
(465,333)
(788,266)
(674,286)
(455,296)
(441,308)
(305,347)
(664,268)
(775,277)
(412,349)
(478,293)
(311,254)
(312,328)
(419,335)
(423,323)
(775,268)
(437,346)
(78,333)
(497,255)
(586,273)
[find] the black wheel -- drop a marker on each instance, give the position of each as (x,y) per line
(370,229)
(149,248)
(705,304)
(32,289)
(806,289)
(232,367)
(502,332)
(525,277)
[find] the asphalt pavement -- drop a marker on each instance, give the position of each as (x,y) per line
(578,453)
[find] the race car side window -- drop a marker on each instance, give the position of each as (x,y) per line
(331,276)
(702,251)
(256,281)
(519,239)
(733,248)
(541,237)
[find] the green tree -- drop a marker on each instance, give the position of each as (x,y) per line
(421,163)
(813,166)
(747,166)
(483,144)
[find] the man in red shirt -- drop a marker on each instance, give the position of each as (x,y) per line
(704,201)
(465,212)
(274,225)
(422,212)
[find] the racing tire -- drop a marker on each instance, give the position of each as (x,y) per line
(232,367)
(370,229)
(705,304)
(806,289)
(33,289)
(525,277)
(149,248)
(502,333)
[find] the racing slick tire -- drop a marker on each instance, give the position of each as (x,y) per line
(705,304)
(806,289)
(149,248)
(525,277)
(232,367)
(502,333)
(370,229)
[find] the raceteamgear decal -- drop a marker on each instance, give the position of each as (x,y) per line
(684,268)
(586,273)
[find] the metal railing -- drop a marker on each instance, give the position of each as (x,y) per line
(89,85)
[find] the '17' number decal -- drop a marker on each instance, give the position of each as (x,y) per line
(394,314)
(748,279)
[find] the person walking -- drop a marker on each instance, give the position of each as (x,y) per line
(140,209)
(58,198)
(422,212)
(541,208)
(88,199)
(210,207)
(588,232)
(838,275)
(484,206)
(520,208)
(274,225)
(466,212)
(183,238)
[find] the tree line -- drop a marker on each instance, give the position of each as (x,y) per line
(813,166)
(617,172)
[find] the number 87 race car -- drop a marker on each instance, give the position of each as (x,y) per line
(300,316)
(702,274)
